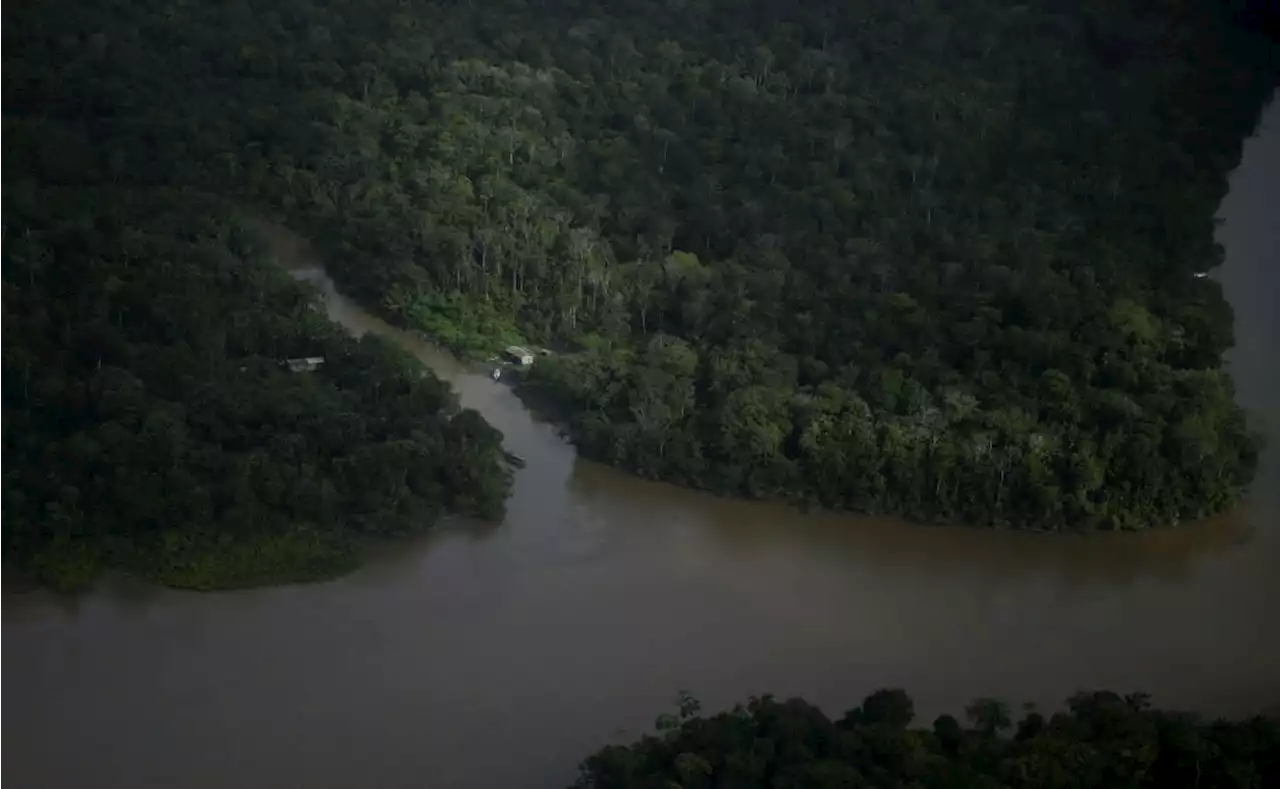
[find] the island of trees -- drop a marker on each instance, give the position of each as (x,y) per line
(936,258)
(1100,740)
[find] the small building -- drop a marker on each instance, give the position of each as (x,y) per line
(518,355)
(305,364)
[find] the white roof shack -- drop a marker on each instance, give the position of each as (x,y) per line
(304,364)
(519,355)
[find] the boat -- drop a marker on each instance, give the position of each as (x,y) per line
(496,373)
(513,459)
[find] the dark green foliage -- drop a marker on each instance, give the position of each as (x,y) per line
(468,328)
(928,258)
(1100,740)
(149,426)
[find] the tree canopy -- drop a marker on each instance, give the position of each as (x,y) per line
(149,424)
(1100,740)
(933,258)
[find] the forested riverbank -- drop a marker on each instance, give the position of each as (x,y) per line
(936,260)
(1100,740)
(151,427)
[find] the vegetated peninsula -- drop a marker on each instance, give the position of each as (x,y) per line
(161,415)
(937,259)
(1101,740)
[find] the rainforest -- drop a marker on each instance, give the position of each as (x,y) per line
(939,259)
(1100,739)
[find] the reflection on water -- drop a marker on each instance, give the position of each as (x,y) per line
(576,620)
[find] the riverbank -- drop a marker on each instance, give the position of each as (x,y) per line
(155,428)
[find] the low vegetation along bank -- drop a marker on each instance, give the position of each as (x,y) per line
(1100,740)
(935,260)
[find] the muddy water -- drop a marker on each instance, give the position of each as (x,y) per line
(497,657)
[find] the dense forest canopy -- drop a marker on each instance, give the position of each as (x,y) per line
(149,424)
(934,258)
(1100,740)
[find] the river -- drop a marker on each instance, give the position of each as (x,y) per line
(499,656)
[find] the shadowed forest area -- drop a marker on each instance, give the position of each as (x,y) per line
(149,424)
(1100,740)
(938,259)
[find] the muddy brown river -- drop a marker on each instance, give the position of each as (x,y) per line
(499,656)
